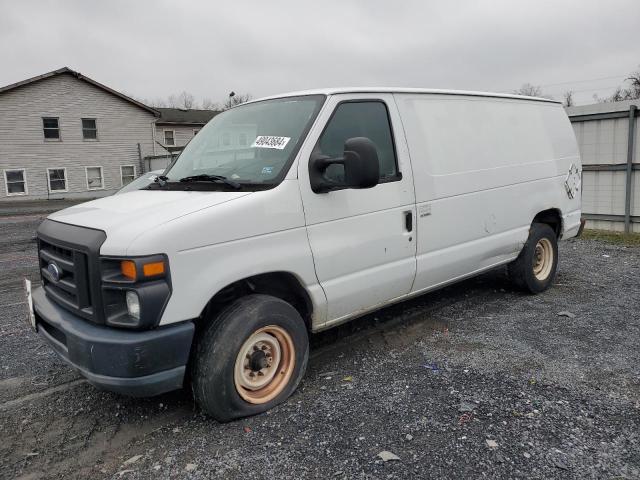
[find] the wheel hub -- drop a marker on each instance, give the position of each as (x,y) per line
(260,357)
(542,259)
(264,364)
(258,361)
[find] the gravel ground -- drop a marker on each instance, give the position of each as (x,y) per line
(36,207)
(476,380)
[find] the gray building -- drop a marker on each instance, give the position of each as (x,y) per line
(609,141)
(174,129)
(176,126)
(63,134)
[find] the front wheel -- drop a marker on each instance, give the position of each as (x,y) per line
(535,268)
(251,358)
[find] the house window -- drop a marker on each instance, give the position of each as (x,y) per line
(51,128)
(242,139)
(94,178)
(57,179)
(127,174)
(89,129)
(15,181)
(226,139)
(169,138)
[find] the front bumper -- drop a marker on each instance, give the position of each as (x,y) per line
(136,363)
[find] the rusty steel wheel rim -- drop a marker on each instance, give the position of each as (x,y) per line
(543,259)
(264,364)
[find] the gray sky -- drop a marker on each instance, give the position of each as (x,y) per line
(151,49)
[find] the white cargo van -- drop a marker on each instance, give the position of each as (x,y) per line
(292,214)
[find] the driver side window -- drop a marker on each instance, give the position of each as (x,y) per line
(368,118)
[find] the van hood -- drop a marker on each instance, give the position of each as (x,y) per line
(133,213)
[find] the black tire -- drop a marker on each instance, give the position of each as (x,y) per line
(213,381)
(521,270)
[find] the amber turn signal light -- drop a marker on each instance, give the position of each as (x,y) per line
(128,269)
(153,269)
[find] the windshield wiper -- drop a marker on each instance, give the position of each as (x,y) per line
(161,180)
(211,178)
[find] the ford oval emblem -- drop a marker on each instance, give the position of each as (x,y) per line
(54,271)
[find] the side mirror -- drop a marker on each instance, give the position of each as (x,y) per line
(360,163)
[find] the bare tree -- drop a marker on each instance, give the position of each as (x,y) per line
(618,95)
(208,104)
(182,100)
(186,100)
(529,90)
(622,93)
(235,99)
(568,98)
(156,102)
(634,79)
(172,101)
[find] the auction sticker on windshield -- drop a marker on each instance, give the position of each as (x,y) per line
(269,141)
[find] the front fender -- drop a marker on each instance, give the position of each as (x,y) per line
(198,274)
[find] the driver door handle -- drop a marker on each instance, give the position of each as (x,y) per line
(408,220)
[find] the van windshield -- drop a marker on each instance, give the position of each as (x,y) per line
(249,144)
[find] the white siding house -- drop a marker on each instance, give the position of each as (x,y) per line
(64,135)
(176,126)
(174,129)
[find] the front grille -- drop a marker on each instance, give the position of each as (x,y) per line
(69,260)
(70,287)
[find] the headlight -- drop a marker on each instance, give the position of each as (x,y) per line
(133,304)
(135,290)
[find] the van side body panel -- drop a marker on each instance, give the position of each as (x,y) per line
(483,168)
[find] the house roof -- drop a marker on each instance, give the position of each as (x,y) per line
(185,116)
(79,76)
(599,108)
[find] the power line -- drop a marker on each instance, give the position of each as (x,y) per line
(585,90)
(558,92)
(623,77)
(584,81)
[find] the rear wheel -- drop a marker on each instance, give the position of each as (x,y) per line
(251,358)
(535,268)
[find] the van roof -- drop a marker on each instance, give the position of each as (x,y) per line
(338,90)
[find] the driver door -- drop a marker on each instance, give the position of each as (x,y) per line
(363,240)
